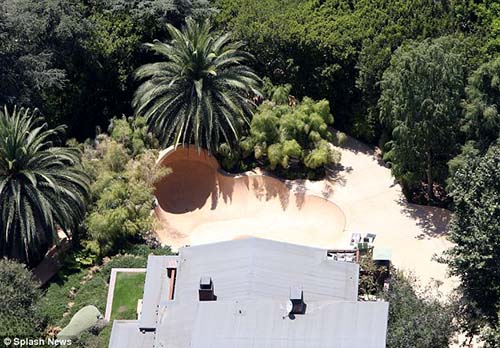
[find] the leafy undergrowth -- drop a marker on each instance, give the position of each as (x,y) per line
(73,289)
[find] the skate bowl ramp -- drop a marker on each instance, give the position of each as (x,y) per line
(199,203)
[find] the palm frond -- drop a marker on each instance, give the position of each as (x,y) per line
(42,188)
(202,90)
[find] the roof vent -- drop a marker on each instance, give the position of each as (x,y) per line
(297,300)
(206,291)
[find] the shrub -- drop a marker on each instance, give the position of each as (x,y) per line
(122,194)
(123,261)
(290,140)
(55,301)
(142,250)
(133,133)
(19,296)
(87,287)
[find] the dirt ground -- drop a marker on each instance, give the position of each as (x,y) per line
(199,204)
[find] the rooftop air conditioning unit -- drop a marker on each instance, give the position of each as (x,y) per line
(297,300)
(206,291)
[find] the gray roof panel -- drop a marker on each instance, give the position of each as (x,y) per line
(258,268)
(257,324)
(125,333)
(156,288)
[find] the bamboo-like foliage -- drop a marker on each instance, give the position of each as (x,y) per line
(202,93)
(42,188)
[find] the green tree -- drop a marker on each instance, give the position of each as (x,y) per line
(284,136)
(122,194)
(201,94)
(333,49)
(420,102)
(417,318)
(37,37)
(19,295)
(42,188)
(475,231)
(491,336)
(482,105)
(133,134)
(481,18)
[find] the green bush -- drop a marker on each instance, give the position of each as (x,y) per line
(86,287)
(123,261)
(92,292)
(133,133)
(122,193)
(291,141)
(143,250)
(93,340)
(19,296)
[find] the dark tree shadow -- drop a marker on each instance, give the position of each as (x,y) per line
(336,174)
(433,221)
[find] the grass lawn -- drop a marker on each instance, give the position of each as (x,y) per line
(129,288)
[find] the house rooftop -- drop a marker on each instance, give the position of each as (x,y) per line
(252,282)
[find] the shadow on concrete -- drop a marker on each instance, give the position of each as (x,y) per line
(432,220)
(356,146)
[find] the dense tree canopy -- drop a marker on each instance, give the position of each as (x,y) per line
(333,49)
(202,93)
(42,189)
(482,114)
(36,39)
(475,232)
(417,318)
(420,101)
(73,60)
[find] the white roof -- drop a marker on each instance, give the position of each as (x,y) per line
(252,279)
(125,333)
(257,324)
(256,268)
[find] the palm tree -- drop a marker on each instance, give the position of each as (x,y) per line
(202,93)
(42,189)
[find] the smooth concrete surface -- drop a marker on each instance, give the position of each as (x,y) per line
(199,203)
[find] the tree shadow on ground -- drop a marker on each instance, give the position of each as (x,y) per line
(356,146)
(336,174)
(432,220)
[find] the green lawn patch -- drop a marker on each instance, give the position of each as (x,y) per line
(129,288)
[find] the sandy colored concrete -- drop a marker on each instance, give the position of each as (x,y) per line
(199,204)
(373,202)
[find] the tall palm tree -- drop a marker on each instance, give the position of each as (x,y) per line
(42,189)
(202,93)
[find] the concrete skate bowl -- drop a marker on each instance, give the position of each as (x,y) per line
(199,203)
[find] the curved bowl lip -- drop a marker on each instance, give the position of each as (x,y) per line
(164,154)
